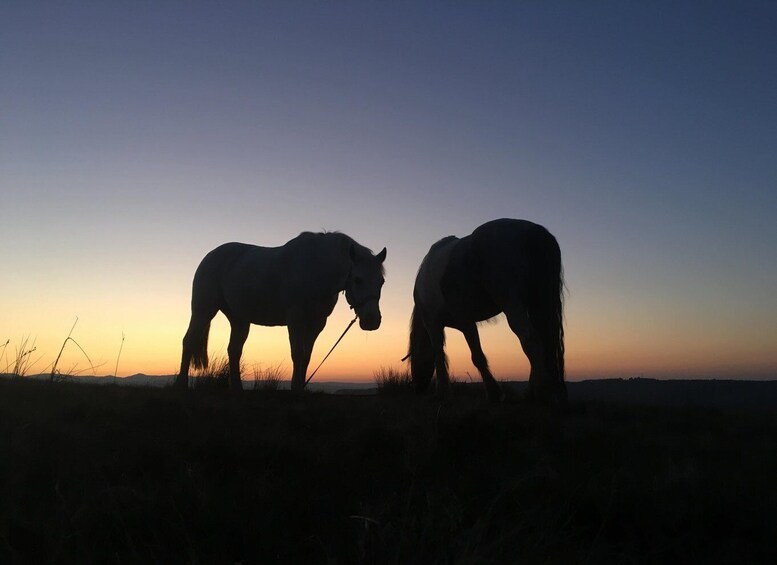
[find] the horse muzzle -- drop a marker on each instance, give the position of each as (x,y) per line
(370,323)
(369,316)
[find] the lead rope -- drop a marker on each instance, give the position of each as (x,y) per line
(331,350)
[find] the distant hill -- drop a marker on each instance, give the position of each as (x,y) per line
(138,379)
(710,392)
(141,379)
(679,392)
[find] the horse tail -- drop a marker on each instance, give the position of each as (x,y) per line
(420,352)
(545,304)
(200,348)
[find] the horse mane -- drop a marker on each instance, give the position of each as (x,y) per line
(346,241)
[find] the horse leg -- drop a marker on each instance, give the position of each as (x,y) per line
(472,336)
(237,338)
(302,337)
(541,387)
(193,332)
(195,344)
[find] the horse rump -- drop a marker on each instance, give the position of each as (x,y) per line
(545,304)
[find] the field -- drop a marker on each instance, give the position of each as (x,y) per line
(98,474)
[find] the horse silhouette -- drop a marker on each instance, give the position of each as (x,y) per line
(506,265)
(294,285)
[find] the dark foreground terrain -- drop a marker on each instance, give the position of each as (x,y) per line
(103,474)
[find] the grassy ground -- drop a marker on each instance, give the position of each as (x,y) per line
(93,474)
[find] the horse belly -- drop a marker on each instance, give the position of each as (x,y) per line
(263,312)
(257,306)
(470,305)
(269,318)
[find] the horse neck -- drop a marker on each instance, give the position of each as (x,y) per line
(336,257)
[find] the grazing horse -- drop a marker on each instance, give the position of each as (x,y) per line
(510,266)
(294,285)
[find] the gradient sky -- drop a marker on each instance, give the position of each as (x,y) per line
(137,136)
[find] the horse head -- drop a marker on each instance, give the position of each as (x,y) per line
(362,289)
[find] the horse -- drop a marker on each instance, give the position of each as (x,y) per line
(505,266)
(295,285)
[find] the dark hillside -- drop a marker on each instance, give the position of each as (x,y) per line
(720,393)
(93,474)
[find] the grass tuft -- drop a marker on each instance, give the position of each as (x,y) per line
(2,354)
(23,357)
(268,379)
(215,376)
(391,381)
(55,373)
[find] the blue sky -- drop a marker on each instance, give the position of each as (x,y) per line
(134,137)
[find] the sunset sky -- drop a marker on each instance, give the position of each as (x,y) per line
(137,136)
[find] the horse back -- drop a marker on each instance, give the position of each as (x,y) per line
(267,285)
(241,278)
(495,266)
(506,254)
(221,263)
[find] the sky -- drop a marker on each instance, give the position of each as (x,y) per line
(137,136)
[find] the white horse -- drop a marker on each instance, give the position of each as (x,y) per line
(294,285)
(510,266)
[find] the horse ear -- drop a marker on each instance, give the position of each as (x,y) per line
(382,255)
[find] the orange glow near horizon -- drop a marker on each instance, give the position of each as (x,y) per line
(154,348)
(615,331)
